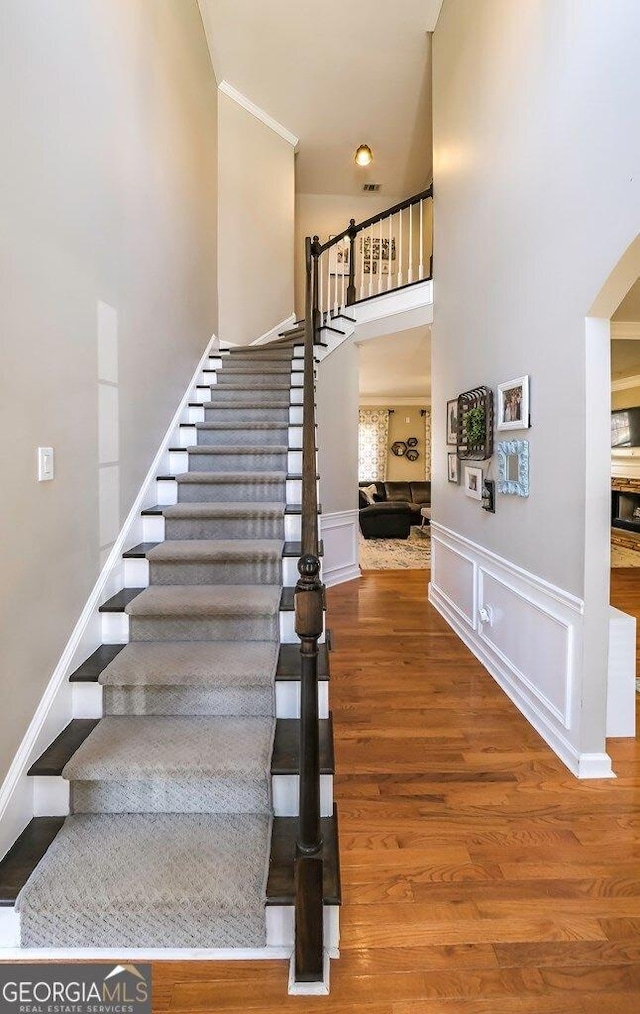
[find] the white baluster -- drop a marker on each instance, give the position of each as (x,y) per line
(410,271)
(400,252)
(390,262)
(360,240)
(342,276)
(335,280)
(380,256)
(370,238)
(421,268)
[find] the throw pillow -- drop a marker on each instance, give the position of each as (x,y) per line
(369,492)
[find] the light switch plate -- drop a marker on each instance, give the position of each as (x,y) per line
(46,465)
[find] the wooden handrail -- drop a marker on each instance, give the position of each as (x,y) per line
(309,625)
(353,228)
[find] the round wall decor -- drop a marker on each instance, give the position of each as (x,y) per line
(412,441)
(399,448)
(412,454)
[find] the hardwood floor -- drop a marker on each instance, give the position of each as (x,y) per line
(479,877)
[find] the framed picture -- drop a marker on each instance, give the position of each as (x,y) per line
(473,482)
(513,467)
(376,254)
(513,404)
(339,257)
(452,421)
(453,471)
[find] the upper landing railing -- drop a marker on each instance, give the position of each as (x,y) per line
(385,252)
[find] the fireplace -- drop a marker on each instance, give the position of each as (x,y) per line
(625,508)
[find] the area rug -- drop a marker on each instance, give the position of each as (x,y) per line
(413,553)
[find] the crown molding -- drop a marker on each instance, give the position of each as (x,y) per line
(382,401)
(259,113)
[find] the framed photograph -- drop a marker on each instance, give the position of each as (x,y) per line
(513,404)
(452,421)
(376,254)
(453,470)
(473,482)
(339,257)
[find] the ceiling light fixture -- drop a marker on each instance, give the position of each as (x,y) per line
(364,155)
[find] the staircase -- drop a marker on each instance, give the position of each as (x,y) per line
(183,797)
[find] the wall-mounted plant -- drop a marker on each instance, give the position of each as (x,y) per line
(475,424)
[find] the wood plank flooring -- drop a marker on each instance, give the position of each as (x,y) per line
(479,877)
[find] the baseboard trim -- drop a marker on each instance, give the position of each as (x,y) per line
(273,333)
(55,709)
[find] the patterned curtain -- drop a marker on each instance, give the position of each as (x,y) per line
(427,444)
(373,439)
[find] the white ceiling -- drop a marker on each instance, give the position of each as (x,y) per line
(336,75)
(396,366)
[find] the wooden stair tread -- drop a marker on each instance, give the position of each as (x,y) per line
(92,666)
(24,855)
(285,759)
(118,602)
(54,758)
(289,662)
(280,882)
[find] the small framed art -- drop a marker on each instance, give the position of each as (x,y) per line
(452,422)
(453,470)
(513,404)
(473,482)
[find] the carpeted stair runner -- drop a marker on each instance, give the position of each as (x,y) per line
(168,842)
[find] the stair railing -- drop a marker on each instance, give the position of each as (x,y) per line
(309,625)
(388,251)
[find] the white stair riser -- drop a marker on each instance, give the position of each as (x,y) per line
(288,699)
(88,699)
(51,796)
(188,435)
(179,461)
(214,362)
(285,790)
(281,926)
(167,492)
(115,628)
(295,415)
(153,528)
(136,572)
(294,491)
(208,377)
(10,927)
(195,414)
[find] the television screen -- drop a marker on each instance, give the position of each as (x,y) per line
(625,427)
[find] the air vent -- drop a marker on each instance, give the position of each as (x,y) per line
(371,188)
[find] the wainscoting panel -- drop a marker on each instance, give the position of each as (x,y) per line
(453,573)
(526,632)
(339,532)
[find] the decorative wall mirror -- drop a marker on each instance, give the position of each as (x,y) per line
(513,467)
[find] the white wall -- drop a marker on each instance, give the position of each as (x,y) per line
(535,113)
(108,298)
(256,187)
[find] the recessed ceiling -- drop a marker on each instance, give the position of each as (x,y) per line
(397,365)
(625,358)
(336,76)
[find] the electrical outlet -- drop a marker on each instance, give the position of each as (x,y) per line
(46,464)
(486,615)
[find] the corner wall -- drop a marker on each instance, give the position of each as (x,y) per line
(535,108)
(255,225)
(109,297)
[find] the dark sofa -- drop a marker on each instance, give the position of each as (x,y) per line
(397,507)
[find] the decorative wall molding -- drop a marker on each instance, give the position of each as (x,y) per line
(56,705)
(339,531)
(525,631)
(242,100)
(275,331)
